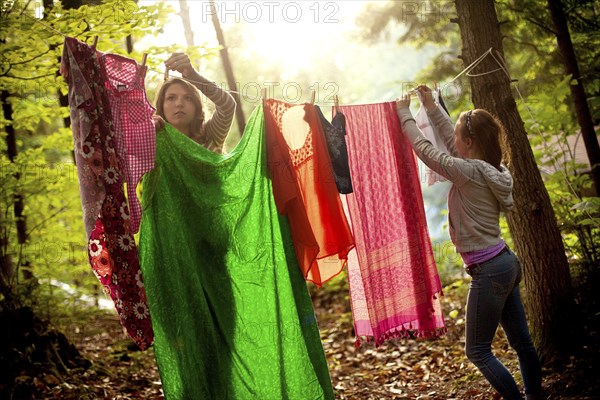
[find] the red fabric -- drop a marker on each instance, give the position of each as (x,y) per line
(400,282)
(111,247)
(304,189)
(132,120)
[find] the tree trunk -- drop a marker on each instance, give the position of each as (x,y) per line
(532,222)
(184,13)
(63,99)
(239,113)
(188,32)
(582,109)
(18,203)
(6,266)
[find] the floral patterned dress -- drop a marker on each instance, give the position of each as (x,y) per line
(111,247)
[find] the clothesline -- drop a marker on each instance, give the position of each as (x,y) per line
(490,52)
(165,73)
(471,67)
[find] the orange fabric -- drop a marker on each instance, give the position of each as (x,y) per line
(304,189)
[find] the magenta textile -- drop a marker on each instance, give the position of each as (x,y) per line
(132,121)
(112,251)
(360,309)
(395,259)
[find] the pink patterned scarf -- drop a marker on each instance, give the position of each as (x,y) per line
(394,287)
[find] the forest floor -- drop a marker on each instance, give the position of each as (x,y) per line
(402,369)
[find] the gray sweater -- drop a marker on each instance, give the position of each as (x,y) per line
(479,191)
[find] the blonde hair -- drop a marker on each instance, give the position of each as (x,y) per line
(484,129)
(198,121)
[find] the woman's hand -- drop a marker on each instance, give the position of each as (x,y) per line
(427,96)
(159,122)
(181,63)
(404,103)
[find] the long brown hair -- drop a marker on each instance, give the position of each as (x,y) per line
(484,129)
(198,121)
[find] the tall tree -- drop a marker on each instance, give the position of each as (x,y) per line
(184,13)
(532,222)
(584,116)
(9,268)
(62,97)
(239,112)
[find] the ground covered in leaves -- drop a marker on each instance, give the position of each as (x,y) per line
(403,369)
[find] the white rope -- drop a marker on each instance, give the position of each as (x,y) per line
(470,67)
(467,71)
(43,24)
(161,73)
(483,73)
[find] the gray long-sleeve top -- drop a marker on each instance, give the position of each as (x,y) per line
(479,191)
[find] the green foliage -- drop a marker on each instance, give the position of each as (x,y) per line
(547,110)
(43,172)
(529,43)
(336,284)
(449,263)
(550,123)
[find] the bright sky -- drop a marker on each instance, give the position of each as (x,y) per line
(283,32)
(303,40)
(307,36)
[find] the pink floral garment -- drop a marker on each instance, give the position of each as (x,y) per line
(111,248)
(400,282)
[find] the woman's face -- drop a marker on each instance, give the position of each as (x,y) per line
(179,108)
(462,145)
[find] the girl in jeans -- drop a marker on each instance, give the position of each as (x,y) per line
(481,188)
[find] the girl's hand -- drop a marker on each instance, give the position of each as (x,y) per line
(159,122)
(181,63)
(404,103)
(427,96)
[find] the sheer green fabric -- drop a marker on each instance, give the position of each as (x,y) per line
(230,311)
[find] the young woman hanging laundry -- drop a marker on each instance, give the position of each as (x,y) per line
(231,312)
(481,189)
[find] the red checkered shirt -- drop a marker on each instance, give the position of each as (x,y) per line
(134,130)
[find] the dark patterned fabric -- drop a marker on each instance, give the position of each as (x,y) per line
(335,136)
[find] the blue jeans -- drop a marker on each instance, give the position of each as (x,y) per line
(494,299)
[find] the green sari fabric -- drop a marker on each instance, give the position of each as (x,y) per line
(231,314)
